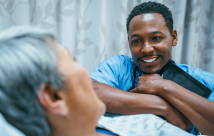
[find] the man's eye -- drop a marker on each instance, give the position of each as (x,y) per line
(135,41)
(156,38)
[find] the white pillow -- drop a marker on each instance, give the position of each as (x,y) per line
(7,129)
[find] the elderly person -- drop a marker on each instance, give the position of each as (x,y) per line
(43,92)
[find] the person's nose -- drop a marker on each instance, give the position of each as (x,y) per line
(147,48)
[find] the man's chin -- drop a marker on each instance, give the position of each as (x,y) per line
(150,71)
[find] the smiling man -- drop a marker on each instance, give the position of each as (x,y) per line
(150,42)
(151,38)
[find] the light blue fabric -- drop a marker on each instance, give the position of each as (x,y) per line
(117,71)
(7,129)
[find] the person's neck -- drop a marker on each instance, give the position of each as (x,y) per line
(73,132)
(162,70)
(72,126)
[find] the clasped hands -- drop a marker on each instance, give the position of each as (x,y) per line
(149,84)
(154,84)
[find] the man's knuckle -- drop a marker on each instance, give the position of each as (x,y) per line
(183,126)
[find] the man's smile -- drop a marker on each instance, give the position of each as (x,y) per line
(150,60)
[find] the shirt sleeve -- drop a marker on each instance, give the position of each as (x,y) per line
(204,77)
(209,78)
(108,72)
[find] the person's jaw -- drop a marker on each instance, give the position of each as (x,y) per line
(155,70)
(71,125)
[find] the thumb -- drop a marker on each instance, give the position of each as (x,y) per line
(134,90)
(144,74)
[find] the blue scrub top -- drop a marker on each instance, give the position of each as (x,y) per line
(117,71)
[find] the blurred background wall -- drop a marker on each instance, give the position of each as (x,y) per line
(94,30)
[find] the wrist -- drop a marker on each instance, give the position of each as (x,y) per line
(165,109)
(161,107)
(165,87)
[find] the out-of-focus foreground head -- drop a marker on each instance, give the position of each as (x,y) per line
(42,90)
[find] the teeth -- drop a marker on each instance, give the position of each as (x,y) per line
(151,60)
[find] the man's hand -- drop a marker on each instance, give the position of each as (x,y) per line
(149,84)
(176,118)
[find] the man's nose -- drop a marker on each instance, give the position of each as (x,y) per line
(147,48)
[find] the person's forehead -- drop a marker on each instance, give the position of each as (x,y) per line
(148,20)
(63,54)
(62,49)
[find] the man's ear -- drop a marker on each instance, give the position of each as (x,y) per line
(52,100)
(128,41)
(174,38)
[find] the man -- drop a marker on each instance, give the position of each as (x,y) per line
(43,92)
(151,38)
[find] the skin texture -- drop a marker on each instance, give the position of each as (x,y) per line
(149,38)
(75,109)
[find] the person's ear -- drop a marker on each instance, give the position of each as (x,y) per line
(128,41)
(52,100)
(174,38)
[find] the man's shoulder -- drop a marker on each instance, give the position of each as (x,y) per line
(202,76)
(114,70)
(195,71)
(120,59)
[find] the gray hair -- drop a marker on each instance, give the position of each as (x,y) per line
(28,58)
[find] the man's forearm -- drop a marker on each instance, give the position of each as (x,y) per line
(196,108)
(122,102)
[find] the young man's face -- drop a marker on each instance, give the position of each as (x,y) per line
(150,42)
(81,100)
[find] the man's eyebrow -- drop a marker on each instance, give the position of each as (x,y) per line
(135,35)
(157,32)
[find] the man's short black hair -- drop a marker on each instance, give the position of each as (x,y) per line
(152,7)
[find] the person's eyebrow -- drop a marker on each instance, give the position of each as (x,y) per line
(135,35)
(157,32)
